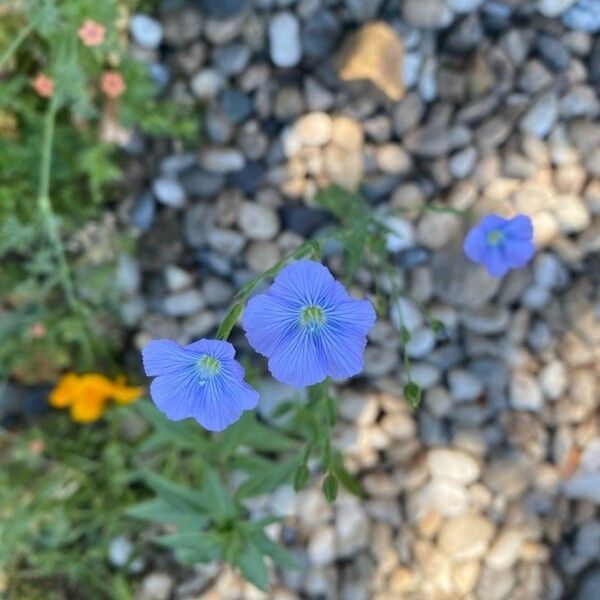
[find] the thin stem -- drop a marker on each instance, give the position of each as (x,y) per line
(21,36)
(45,207)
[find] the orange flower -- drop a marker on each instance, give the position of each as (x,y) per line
(87,395)
(43,85)
(112,84)
(91,33)
(37,446)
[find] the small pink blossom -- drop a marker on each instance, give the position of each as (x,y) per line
(38,330)
(43,85)
(112,84)
(37,446)
(91,33)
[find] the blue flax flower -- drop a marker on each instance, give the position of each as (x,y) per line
(201,380)
(308,326)
(501,244)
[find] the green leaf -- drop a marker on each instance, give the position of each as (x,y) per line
(404,335)
(437,327)
(279,554)
(229,321)
(412,393)
(216,498)
(301,477)
(253,567)
(330,487)
(193,547)
(346,479)
(159,511)
(176,495)
(270,479)
(250,432)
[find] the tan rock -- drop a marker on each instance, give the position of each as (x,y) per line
(375,53)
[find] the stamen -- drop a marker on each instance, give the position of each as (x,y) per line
(312,317)
(208,366)
(495,237)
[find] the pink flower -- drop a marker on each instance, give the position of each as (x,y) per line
(43,85)
(91,33)
(38,330)
(112,84)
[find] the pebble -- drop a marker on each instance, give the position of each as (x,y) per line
(464,386)
(231,59)
(207,83)
(257,221)
(313,129)
(169,192)
(427,14)
(157,586)
(525,393)
(554,380)
(466,537)
(464,6)
(456,465)
(391,158)
(505,550)
(143,211)
(177,279)
(405,313)
(181,304)
(284,40)
(261,256)
(146,31)
(541,116)
(401,234)
(422,342)
(221,160)
(322,546)
(223,9)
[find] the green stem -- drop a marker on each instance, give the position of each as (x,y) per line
(22,35)
(46,211)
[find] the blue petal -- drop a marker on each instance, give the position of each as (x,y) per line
(216,348)
(176,394)
(518,252)
(520,227)
(305,282)
(299,360)
(223,401)
(162,357)
(345,337)
(492,222)
(495,262)
(475,245)
(267,321)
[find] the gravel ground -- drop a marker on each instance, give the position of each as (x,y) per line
(490,490)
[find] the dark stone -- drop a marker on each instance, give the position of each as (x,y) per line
(231,59)
(320,34)
(163,245)
(222,9)
(594,63)
(304,220)
(201,184)
(18,402)
(465,35)
(236,105)
(413,257)
(553,52)
(496,15)
(143,211)
(249,178)
(378,187)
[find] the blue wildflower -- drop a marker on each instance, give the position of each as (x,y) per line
(308,326)
(501,244)
(201,380)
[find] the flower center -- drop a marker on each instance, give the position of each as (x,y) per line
(495,237)
(208,367)
(312,317)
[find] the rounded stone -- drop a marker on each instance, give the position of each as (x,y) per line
(257,221)
(466,537)
(146,31)
(284,40)
(456,465)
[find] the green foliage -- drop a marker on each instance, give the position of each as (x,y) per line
(59,167)
(63,489)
